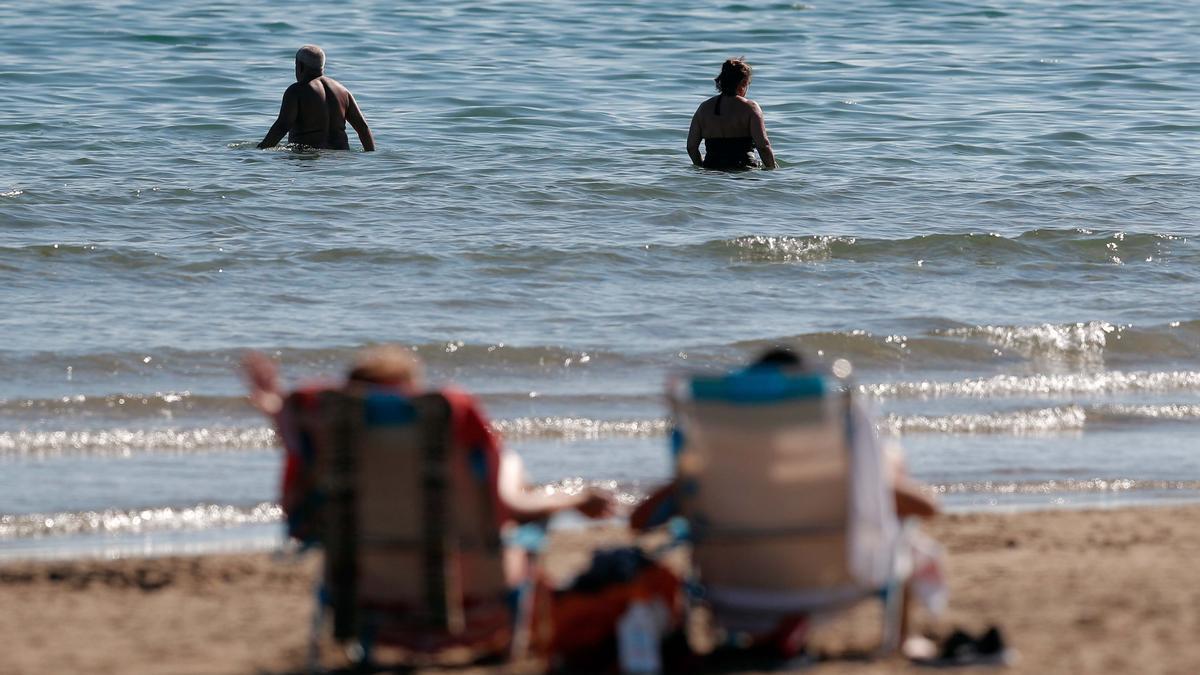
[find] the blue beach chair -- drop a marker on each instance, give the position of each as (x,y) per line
(404,513)
(789,513)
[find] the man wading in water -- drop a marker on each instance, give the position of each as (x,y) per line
(316,108)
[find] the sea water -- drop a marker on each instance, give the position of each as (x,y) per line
(988,207)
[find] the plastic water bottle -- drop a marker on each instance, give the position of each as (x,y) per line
(637,639)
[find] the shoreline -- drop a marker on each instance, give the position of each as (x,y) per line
(1114,590)
(268,537)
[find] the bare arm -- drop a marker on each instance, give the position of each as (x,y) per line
(528,505)
(693,141)
(262,379)
(645,512)
(355,117)
(287,117)
(758,131)
(911,501)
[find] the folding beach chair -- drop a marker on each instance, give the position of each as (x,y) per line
(787,504)
(406,516)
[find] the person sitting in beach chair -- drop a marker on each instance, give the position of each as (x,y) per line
(791,505)
(409,494)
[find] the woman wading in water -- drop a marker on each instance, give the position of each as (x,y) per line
(730,124)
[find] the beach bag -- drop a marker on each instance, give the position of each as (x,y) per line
(585,616)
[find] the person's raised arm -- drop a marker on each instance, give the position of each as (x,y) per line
(355,117)
(693,141)
(283,124)
(262,379)
(758,131)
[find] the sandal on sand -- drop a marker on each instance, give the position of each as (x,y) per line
(960,649)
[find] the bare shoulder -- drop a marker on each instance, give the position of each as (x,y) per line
(306,91)
(753,106)
(707,104)
(334,84)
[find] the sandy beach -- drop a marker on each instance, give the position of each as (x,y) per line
(986,210)
(1098,591)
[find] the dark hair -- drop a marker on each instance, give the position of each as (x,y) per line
(780,356)
(733,73)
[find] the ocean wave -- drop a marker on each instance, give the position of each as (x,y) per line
(123,257)
(1110,382)
(449,358)
(1076,245)
(937,344)
(120,442)
(1061,246)
(204,516)
(162,407)
(1117,413)
(124,442)
(1068,485)
(578,428)
(1086,340)
(121,521)
(366,255)
(761,248)
(1046,420)
(1079,344)
(165,405)
(173,359)
(1043,420)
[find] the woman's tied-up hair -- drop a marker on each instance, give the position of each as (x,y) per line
(733,73)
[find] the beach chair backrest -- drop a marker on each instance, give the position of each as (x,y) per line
(405,514)
(762,471)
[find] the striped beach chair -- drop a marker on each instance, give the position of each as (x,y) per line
(783,489)
(405,513)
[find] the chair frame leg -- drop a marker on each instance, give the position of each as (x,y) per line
(362,652)
(314,635)
(895,599)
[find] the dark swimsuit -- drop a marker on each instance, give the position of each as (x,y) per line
(728,153)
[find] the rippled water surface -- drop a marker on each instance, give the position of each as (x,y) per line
(990,208)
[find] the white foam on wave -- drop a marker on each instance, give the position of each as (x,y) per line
(579,428)
(128,441)
(201,517)
(1108,382)
(1069,485)
(787,249)
(159,403)
(1046,420)
(118,521)
(124,442)
(1084,341)
(1171,411)
(1041,420)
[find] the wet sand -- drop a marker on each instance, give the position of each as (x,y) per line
(1098,591)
